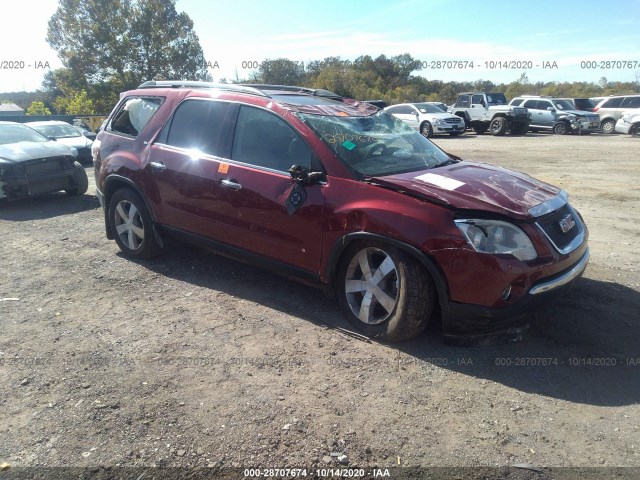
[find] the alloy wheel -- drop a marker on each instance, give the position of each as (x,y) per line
(129,226)
(371,285)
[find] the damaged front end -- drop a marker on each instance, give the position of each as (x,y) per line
(35,177)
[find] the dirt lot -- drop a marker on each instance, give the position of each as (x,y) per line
(195,360)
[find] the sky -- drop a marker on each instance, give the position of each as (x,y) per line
(547,40)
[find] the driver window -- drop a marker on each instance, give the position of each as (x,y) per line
(265,140)
(478,100)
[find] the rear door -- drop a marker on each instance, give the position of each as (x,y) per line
(261,209)
(183,164)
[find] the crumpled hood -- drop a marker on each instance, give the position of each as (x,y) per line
(25,151)
(475,186)
(580,113)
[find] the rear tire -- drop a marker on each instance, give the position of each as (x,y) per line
(499,126)
(635,131)
(131,224)
(479,129)
(455,134)
(80,179)
(384,292)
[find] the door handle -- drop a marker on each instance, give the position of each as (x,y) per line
(233,185)
(157,165)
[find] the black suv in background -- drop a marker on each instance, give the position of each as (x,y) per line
(584,104)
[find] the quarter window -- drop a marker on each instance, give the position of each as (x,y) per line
(265,140)
(631,102)
(134,114)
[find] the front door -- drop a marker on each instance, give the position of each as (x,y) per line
(262,209)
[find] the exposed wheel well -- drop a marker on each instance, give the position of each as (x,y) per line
(111,185)
(427,262)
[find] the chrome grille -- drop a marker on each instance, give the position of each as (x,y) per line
(551,225)
(453,120)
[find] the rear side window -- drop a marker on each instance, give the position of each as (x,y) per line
(196,125)
(613,103)
(533,104)
(134,114)
(631,102)
(265,140)
(517,101)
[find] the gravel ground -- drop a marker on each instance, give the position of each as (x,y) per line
(195,360)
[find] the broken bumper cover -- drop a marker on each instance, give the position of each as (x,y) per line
(471,324)
(23,187)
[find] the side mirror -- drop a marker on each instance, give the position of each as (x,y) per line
(551,109)
(301,175)
(53,139)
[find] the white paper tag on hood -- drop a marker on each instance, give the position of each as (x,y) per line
(440,181)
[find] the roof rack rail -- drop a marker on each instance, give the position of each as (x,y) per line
(318,92)
(195,84)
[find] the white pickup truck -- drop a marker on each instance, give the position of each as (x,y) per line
(489,111)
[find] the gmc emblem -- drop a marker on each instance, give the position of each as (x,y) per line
(567,223)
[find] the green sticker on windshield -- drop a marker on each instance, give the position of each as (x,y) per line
(349,145)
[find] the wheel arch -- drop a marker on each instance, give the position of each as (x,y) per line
(341,245)
(112,184)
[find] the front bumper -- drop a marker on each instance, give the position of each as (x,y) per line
(467,324)
(449,128)
(585,126)
(24,187)
(622,126)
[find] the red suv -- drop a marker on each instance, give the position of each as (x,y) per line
(340,194)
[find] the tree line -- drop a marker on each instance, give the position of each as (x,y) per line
(132,41)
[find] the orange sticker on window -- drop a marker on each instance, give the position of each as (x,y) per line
(223,168)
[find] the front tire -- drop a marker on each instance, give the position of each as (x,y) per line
(384,292)
(608,126)
(131,224)
(426,129)
(80,179)
(499,126)
(635,131)
(561,128)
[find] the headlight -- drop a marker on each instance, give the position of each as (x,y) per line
(494,236)
(74,151)
(439,122)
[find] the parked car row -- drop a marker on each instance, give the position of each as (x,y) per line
(490,111)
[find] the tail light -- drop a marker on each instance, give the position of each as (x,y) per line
(595,109)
